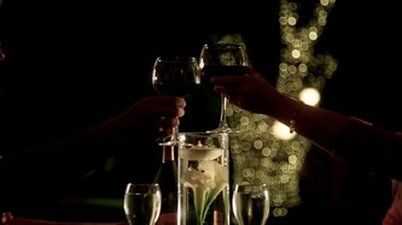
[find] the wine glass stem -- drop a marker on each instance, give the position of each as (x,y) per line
(175,134)
(223,121)
(174,138)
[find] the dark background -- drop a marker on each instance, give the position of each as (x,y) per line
(72,64)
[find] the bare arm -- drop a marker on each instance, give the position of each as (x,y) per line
(349,138)
(55,165)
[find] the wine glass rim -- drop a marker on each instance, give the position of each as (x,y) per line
(251,185)
(200,134)
(176,59)
(142,184)
(222,45)
(131,186)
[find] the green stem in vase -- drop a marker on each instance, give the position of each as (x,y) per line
(207,183)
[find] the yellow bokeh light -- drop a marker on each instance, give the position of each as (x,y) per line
(292,6)
(244,120)
(296,53)
(283,67)
(280,153)
(266,151)
(313,35)
(297,43)
(292,159)
(258,144)
(292,69)
(290,38)
(310,96)
(324,2)
(292,21)
(322,21)
(281,131)
(282,20)
(303,68)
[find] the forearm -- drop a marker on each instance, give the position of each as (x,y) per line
(85,148)
(371,147)
(348,138)
(321,126)
(52,169)
(72,156)
(46,170)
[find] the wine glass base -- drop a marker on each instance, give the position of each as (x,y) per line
(169,143)
(226,130)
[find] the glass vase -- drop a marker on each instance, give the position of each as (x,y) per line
(203,179)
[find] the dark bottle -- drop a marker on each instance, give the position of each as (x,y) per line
(167,179)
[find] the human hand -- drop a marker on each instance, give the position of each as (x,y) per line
(251,92)
(155,114)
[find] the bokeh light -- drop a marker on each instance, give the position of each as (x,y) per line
(265,150)
(281,131)
(310,96)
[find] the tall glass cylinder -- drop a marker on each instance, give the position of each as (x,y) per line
(203,179)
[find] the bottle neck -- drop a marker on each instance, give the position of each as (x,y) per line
(168,153)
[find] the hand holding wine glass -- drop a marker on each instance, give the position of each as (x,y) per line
(177,76)
(223,60)
(251,204)
(142,203)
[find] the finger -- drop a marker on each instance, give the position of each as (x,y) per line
(171,112)
(171,101)
(175,122)
(163,134)
(180,112)
(180,102)
(166,123)
(169,132)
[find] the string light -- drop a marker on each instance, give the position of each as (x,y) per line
(260,155)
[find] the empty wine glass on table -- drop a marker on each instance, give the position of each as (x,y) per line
(250,204)
(177,76)
(142,203)
(223,60)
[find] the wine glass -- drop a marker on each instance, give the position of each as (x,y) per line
(142,203)
(223,60)
(250,204)
(177,76)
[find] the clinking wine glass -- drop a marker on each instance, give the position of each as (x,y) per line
(177,76)
(142,203)
(223,60)
(250,204)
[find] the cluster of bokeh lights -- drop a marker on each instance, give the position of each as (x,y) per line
(265,151)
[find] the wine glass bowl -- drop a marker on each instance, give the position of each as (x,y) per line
(175,75)
(223,55)
(142,203)
(250,204)
(178,76)
(222,60)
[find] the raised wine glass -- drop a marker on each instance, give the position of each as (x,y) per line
(223,60)
(142,203)
(179,76)
(250,204)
